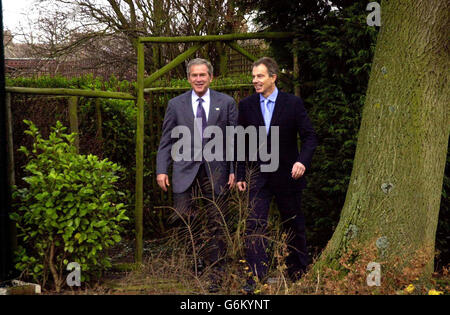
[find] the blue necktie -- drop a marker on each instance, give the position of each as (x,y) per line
(201,114)
(267,114)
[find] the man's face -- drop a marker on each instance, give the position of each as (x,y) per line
(199,79)
(262,82)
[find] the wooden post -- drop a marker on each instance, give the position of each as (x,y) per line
(98,110)
(10,163)
(73,119)
(215,38)
(10,140)
(139,207)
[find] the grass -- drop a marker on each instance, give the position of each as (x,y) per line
(168,269)
(168,272)
(170,263)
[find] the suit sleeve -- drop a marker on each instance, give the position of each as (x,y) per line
(232,121)
(163,157)
(308,136)
(240,172)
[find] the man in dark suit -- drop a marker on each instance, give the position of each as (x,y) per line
(194,112)
(271,108)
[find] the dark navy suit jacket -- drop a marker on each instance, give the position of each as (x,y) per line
(290,116)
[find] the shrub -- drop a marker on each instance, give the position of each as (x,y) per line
(68,212)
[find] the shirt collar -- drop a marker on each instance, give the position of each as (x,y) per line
(205,97)
(272,97)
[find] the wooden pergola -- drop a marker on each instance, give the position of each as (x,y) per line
(144,83)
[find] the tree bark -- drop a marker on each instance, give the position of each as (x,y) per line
(56,278)
(395,187)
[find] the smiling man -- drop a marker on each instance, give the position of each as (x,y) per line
(194,111)
(271,108)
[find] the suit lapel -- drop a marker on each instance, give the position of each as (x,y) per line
(188,108)
(278,109)
(214,107)
(257,110)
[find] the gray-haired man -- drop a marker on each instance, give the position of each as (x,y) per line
(210,108)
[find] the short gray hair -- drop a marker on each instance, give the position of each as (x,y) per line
(200,61)
(271,65)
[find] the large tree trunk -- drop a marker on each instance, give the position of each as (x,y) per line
(392,201)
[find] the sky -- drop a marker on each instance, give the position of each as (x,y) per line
(14,12)
(15,16)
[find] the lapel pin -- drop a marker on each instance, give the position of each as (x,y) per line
(217,108)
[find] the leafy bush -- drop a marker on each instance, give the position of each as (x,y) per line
(113,84)
(82,82)
(69,211)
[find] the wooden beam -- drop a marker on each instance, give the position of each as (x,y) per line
(179,59)
(214,38)
(183,89)
(70,92)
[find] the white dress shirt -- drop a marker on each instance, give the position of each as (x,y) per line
(206,102)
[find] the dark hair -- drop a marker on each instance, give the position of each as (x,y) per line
(271,65)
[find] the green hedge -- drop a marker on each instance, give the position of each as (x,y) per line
(113,84)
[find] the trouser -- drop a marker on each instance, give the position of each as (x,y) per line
(293,222)
(210,245)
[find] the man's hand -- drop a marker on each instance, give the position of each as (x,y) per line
(242,186)
(163,181)
(231,181)
(298,170)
